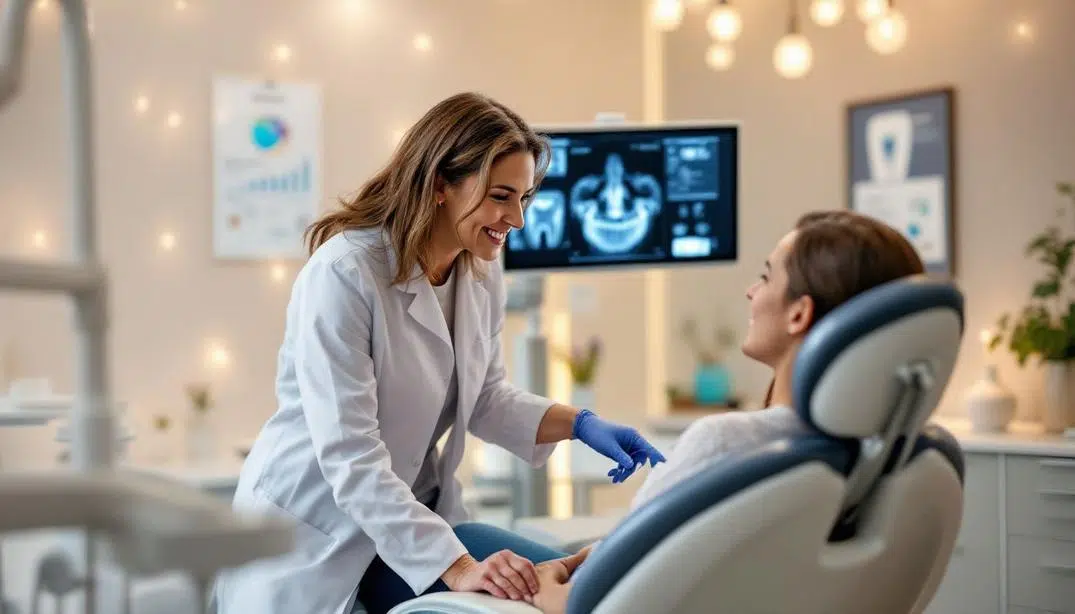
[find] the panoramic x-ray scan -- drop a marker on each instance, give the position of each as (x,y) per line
(615,197)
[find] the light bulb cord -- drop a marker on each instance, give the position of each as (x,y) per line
(793,17)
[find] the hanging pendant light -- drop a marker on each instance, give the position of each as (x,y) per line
(793,56)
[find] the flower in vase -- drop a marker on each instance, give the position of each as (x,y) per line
(200,397)
(582,361)
(161,422)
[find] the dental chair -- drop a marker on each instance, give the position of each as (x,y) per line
(857,515)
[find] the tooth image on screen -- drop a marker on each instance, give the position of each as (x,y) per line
(615,209)
(544,227)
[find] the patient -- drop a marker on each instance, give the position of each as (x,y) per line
(827,259)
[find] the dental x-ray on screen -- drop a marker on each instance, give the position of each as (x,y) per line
(617,195)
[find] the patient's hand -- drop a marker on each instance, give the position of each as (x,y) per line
(553,586)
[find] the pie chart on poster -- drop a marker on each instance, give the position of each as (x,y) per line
(269,133)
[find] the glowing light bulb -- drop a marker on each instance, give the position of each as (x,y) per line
(282,53)
(793,56)
(180,5)
(141,105)
(167,241)
(887,34)
(719,56)
(174,120)
(667,14)
(985,337)
(218,356)
(423,42)
(724,23)
(1023,30)
(868,10)
(278,272)
(827,13)
(352,7)
(39,239)
(43,4)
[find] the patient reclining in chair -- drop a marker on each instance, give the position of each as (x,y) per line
(828,258)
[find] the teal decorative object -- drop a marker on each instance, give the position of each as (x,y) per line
(712,384)
(712,380)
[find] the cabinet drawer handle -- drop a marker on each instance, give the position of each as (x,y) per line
(1057,463)
(1058,567)
(1055,492)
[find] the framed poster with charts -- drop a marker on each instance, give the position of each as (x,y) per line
(900,169)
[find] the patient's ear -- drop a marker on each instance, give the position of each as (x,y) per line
(800,315)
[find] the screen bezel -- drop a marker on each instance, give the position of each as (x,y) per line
(545,130)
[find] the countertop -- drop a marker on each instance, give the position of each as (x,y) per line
(1026,438)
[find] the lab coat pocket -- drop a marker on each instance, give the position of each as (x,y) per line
(310,541)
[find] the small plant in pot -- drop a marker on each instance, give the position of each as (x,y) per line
(712,380)
(1045,328)
(582,361)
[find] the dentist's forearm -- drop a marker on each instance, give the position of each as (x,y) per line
(557,424)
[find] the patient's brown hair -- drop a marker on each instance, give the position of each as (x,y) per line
(838,254)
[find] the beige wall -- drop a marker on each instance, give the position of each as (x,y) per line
(152,178)
(1016,138)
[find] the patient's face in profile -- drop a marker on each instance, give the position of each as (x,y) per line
(775,322)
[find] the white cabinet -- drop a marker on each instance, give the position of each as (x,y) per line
(1016,549)
(971,584)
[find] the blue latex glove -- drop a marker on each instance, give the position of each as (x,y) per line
(621,443)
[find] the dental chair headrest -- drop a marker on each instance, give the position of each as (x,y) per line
(846,372)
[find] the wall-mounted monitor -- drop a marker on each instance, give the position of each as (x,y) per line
(623,195)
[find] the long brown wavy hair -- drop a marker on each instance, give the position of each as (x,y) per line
(460,136)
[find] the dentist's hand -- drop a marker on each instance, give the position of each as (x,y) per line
(622,444)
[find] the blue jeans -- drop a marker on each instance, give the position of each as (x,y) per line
(381,589)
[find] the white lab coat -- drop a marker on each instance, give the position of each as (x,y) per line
(362,377)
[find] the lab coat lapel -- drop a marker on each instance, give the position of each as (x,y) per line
(425,309)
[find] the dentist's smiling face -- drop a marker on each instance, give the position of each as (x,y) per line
(484,231)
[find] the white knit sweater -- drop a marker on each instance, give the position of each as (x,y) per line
(713,438)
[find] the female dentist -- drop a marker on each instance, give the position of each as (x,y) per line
(393,339)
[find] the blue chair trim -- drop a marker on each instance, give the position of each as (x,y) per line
(650,524)
(936,438)
(858,317)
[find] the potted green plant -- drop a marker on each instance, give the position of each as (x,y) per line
(1045,328)
(582,362)
(712,380)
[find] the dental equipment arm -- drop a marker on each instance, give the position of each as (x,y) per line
(150,525)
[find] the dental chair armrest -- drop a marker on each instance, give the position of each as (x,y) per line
(568,534)
(463,603)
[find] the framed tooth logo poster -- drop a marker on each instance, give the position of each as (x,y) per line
(900,169)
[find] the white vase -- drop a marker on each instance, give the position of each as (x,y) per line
(583,397)
(1059,395)
(990,406)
